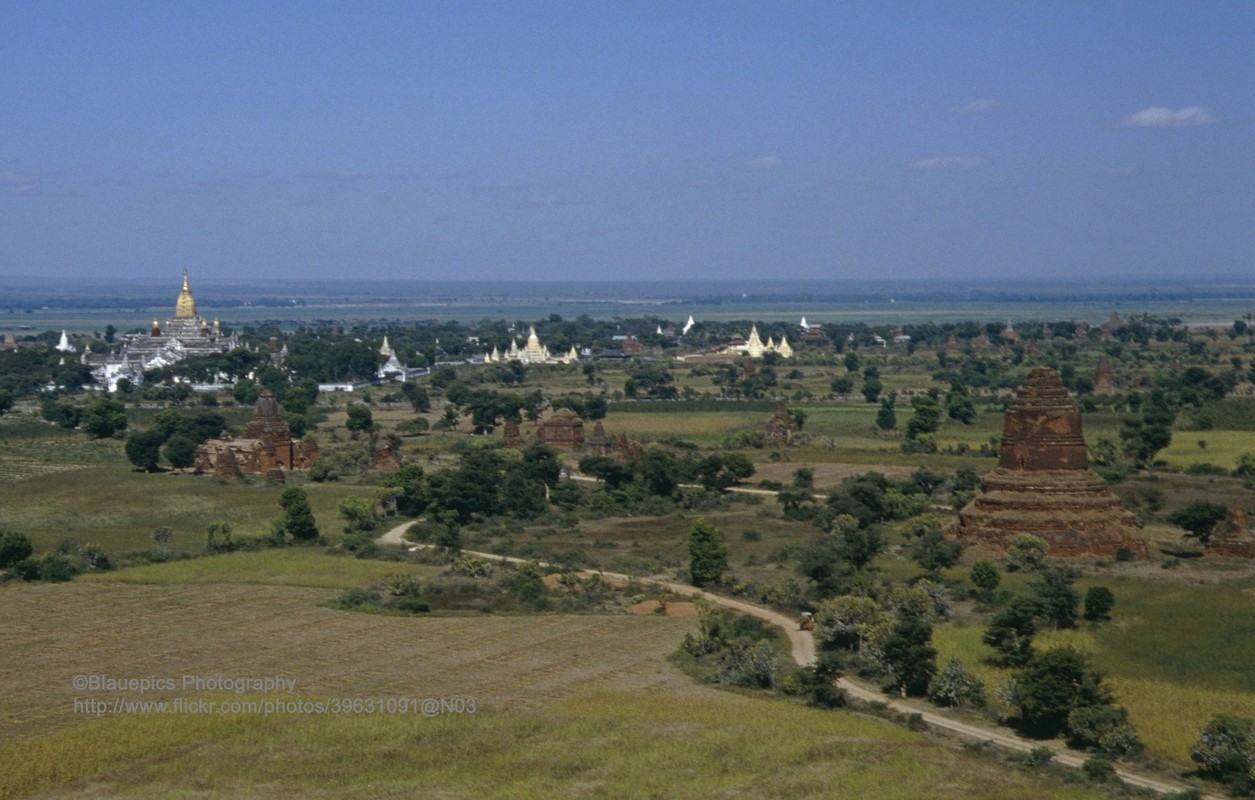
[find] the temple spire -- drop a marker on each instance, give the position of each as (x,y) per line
(185,308)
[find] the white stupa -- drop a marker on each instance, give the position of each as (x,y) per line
(64,345)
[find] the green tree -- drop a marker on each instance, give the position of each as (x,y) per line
(298,517)
(1056,598)
(872,388)
(104,417)
(300,397)
(934,552)
(925,420)
(660,471)
(1099,600)
(1245,467)
(1026,551)
(1104,728)
(796,502)
(606,469)
(65,414)
(6,401)
(1143,438)
(910,656)
(14,547)
(411,494)
(1051,686)
(359,418)
(708,555)
(359,515)
(1198,519)
(419,399)
(180,451)
(1010,632)
(521,495)
(1225,750)
(955,685)
(985,578)
(886,417)
(143,448)
(218,537)
(959,406)
(541,464)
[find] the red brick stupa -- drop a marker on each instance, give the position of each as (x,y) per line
(1043,484)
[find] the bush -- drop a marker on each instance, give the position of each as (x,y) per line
(985,577)
(1099,600)
(955,685)
(55,567)
(1104,728)
(1183,549)
(355,599)
(1226,751)
(413,605)
(1099,768)
(14,547)
(1026,551)
(749,663)
(1052,686)
(1039,756)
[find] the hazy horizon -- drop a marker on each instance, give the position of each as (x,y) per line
(566,141)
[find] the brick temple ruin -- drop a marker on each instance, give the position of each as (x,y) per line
(1043,484)
(266,445)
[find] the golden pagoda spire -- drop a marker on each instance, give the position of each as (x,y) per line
(185,308)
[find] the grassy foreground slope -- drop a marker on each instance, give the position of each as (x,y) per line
(582,705)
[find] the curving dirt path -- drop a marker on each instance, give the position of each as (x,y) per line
(803,650)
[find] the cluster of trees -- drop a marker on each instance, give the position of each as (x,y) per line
(484,484)
(175,435)
(661,472)
(62,563)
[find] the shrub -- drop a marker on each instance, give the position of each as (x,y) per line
(1039,756)
(14,547)
(1105,728)
(955,685)
(413,605)
(359,598)
(1053,685)
(985,577)
(1099,768)
(55,567)
(707,553)
(1099,600)
(749,663)
(1226,751)
(1026,551)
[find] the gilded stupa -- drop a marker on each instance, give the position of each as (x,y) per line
(1043,484)
(186,335)
(185,306)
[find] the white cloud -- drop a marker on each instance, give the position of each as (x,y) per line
(1161,117)
(946,163)
(762,163)
(978,106)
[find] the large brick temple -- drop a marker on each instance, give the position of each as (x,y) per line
(1043,484)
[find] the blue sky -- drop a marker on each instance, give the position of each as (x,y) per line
(590,140)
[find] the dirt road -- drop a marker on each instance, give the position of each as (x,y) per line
(803,647)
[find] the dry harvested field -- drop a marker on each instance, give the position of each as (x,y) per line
(50,633)
(565,706)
